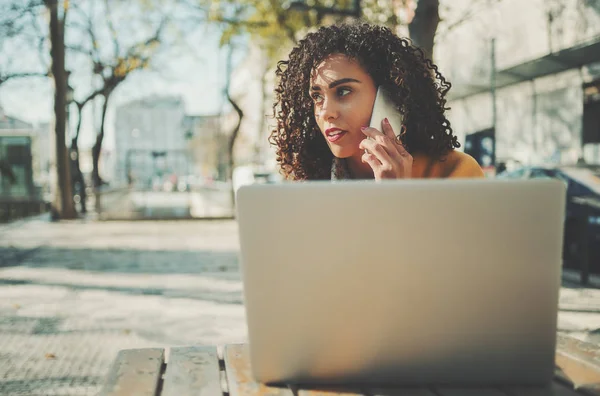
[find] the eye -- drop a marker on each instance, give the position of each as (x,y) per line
(316,97)
(343,91)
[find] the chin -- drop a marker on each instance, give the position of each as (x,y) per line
(340,152)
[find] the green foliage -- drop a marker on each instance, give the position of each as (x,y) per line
(275,27)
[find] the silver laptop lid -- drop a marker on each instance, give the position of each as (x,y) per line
(404,282)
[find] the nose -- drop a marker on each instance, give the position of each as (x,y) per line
(329,110)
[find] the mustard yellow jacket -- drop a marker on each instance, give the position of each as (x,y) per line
(454,164)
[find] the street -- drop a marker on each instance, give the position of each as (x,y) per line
(74,293)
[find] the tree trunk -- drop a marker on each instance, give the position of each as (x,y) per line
(97,148)
(64,200)
(424,25)
(78,181)
(236,130)
(79,117)
(231,145)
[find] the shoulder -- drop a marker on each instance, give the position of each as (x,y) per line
(453,164)
(459,164)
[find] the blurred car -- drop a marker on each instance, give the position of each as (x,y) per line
(582,214)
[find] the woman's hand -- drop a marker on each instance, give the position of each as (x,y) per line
(385,153)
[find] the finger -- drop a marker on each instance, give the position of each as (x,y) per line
(377,136)
(379,149)
(390,147)
(388,130)
(372,160)
(371,132)
(402,150)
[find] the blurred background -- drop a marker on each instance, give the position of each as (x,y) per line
(123,123)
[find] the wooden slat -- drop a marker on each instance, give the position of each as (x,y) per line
(451,391)
(135,372)
(399,392)
(561,378)
(239,376)
(579,361)
(555,389)
(327,391)
(588,389)
(193,371)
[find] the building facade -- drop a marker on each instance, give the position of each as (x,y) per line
(526,80)
(17,140)
(208,142)
(150,141)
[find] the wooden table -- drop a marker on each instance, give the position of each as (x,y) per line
(226,371)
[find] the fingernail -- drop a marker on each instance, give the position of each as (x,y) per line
(363,128)
(386,120)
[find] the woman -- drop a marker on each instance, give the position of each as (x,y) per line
(324,100)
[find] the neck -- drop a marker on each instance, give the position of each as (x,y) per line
(359,169)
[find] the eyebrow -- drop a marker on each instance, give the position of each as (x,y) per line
(335,83)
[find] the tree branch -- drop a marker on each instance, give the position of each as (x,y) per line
(41,40)
(281,20)
(113,31)
(94,50)
(80,49)
(80,106)
(12,76)
(65,13)
(241,22)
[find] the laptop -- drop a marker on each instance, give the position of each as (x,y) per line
(408,282)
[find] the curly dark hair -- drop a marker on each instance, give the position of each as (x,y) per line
(413,81)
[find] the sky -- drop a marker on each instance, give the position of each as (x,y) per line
(195,71)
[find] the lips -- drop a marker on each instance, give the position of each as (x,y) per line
(334,134)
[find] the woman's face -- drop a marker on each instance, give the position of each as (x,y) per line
(343,94)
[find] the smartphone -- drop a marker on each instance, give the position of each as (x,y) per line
(384,107)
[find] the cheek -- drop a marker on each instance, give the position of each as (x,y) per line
(359,113)
(318,119)
(358,119)
(366,109)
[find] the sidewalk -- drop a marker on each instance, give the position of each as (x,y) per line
(72,294)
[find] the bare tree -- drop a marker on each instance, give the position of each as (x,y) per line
(111,68)
(57,53)
(23,18)
(19,21)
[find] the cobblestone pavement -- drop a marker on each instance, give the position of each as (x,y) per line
(72,294)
